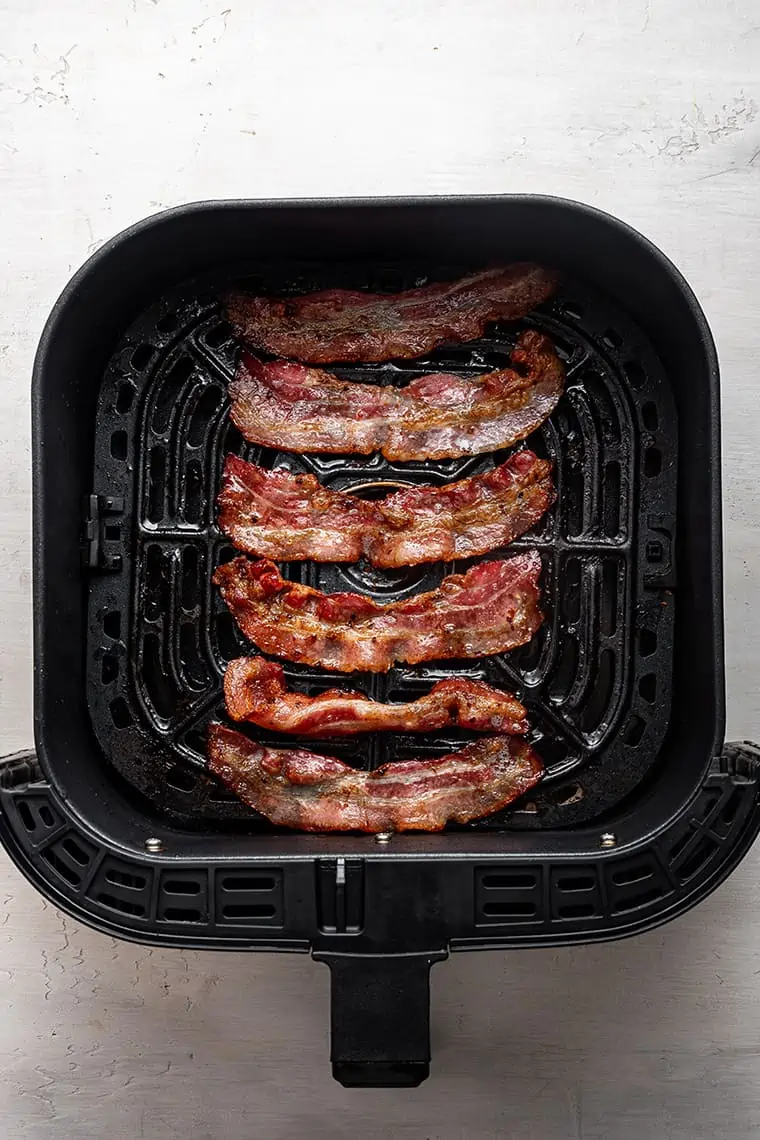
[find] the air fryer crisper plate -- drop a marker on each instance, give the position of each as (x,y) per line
(597,677)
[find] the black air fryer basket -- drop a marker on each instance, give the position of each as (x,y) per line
(643,810)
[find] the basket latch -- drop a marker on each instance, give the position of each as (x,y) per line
(102,531)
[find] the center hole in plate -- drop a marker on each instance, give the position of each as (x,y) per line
(366,579)
(378,488)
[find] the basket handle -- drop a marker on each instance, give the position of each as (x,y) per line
(380,1018)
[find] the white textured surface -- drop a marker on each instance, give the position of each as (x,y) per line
(651,109)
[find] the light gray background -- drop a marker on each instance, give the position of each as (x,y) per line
(112,109)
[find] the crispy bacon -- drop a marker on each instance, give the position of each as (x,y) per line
(277,515)
(340,325)
(255,690)
(438,416)
(491,608)
(294,788)
(274,514)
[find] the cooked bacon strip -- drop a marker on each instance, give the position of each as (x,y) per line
(438,416)
(338,324)
(277,515)
(294,788)
(255,690)
(491,608)
(274,514)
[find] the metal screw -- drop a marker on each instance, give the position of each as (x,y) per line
(609,839)
(383,837)
(153,845)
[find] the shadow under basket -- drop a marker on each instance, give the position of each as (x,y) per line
(115,818)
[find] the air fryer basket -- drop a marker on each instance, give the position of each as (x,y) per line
(596,678)
(643,810)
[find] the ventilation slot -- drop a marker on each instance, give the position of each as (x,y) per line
(182,914)
(112,625)
(124,906)
(35,814)
(142,357)
(193,667)
(576,882)
(126,879)
(248,883)
(156,589)
(250,899)
(122,886)
(565,794)
(193,492)
(643,898)
(635,373)
(203,417)
(218,336)
(570,594)
(229,646)
(567,669)
(612,500)
(181,779)
(680,845)
(190,581)
(183,897)
(507,896)
(553,750)
(648,687)
(62,868)
(598,703)
(156,484)
(647,642)
(575,893)
(70,858)
(120,713)
(28,820)
(635,731)
(572,499)
(728,814)
(195,740)
(169,392)
(157,684)
(119,445)
(633,875)
(697,858)
(635,883)
(528,656)
(649,416)
(608,602)
(182,887)
(77,853)
(124,398)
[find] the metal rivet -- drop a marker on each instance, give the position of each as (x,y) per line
(383,837)
(153,845)
(609,839)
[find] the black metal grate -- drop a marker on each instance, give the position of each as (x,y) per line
(597,677)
